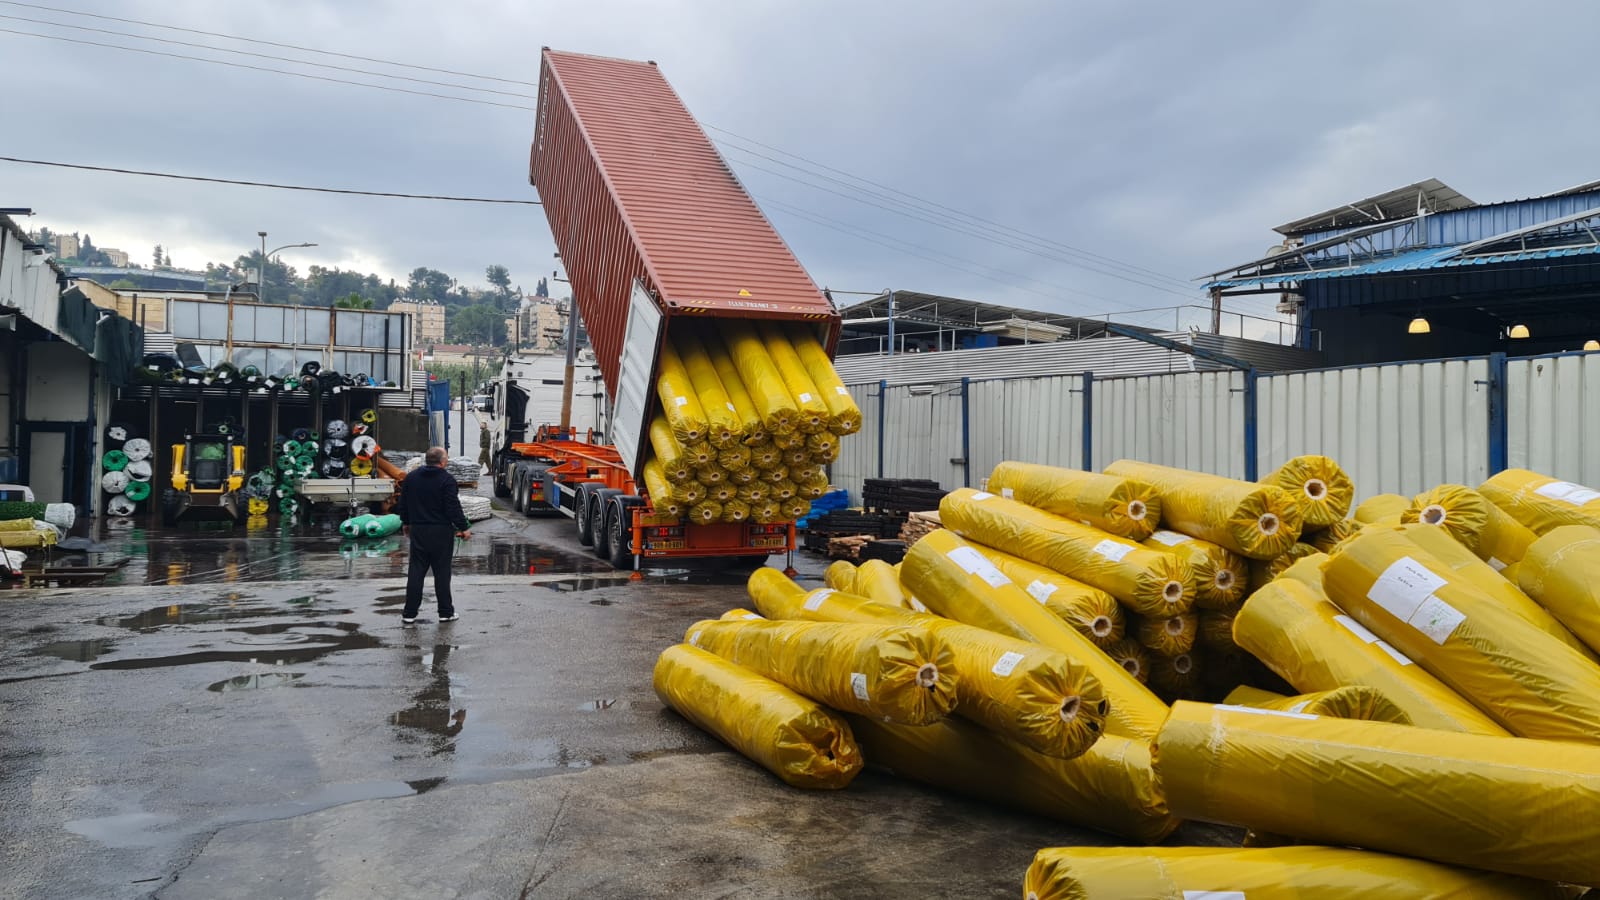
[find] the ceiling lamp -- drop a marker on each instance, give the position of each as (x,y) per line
(1518,332)
(1419,325)
(1591,344)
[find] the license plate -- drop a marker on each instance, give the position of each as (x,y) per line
(666,545)
(766,542)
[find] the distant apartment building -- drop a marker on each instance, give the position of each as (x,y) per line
(119,258)
(536,325)
(427,319)
(67,246)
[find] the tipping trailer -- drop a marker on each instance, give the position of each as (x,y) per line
(529,392)
(656,233)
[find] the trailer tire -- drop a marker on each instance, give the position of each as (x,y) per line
(580,514)
(517,491)
(619,533)
(599,501)
(533,493)
(501,488)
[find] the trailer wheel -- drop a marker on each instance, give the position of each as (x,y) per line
(580,514)
(517,491)
(620,531)
(599,501)
(533,494)
(501,489)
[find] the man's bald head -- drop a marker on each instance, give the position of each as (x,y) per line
(435,456)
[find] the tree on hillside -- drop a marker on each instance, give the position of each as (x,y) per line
(123,284)
(353,301)
(500,277)
(481,323)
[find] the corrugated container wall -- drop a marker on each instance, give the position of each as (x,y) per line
(634,189)
(1553,416)
(1192,421)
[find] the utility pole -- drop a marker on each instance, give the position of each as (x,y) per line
(462,419)
(572,361)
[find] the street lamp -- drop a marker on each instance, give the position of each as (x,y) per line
(261,268)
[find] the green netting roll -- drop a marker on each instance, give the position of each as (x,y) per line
(137,491)
(291,448)
(289,506)
(352,527)
(381,526)
(114,461)
(20,509)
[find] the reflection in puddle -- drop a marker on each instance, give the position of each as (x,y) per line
(275,655)
(196,613)
(255,682)
(76,651)
(430,710)
(598,705)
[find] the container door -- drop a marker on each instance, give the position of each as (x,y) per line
(636,378)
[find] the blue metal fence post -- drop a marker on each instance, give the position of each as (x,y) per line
(1498,426)
(1250,431)
(966,432)
(883,405)
(1088,421)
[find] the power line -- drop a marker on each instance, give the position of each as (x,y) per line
(266,184)
(235,37)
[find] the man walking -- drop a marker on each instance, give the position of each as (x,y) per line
(430,510)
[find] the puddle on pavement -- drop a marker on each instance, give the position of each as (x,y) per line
(77,651)
(601,601)
(197,613)
(255,682)
(576,585)
(597,705)
(431,710)
(315,647)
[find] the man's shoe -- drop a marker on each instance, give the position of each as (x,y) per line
(450,618)
(411,620)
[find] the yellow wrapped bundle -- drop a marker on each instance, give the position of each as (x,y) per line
(721,493)
(679,402)
(823,446)
(1527,680)
(1094,613)
(958,582)
(750,424)
(766,512)
(710,475)
(807,398)
(723,428)
(1216,630)
(766,457)
(1350,702)
(1110,788)
(782,490)
(790,736)
(797,459)
(1262,873)
(877,580)
(743,477)
(1505,804)
(1178,677)
(666,501)
(1260,521)
(1325,539)
(775,476)
(1132,658)
(1322,489)
(1263,571)
(844,417)
(1477,524)
(1313,645)
(736,614)
(789,440)
(734,458)
(796,508)
(900,673)
(812,486)
(689,493)
(1308,571)
(1541,502)
(1483,577)
(768,393)
(840,575)
(1121,506)
(1168,636)
(700,456)
(1381,509)
(1147,581)
(1025,691)
(705,512)
(675,465)
(752,493)
(1562,572)
(1221,577)
(734,511)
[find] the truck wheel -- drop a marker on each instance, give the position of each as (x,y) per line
(518,491)
(532,490)
(598,502)
(501,489)
(580,514)
(619,531)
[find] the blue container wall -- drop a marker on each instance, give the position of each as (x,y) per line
(1465,225)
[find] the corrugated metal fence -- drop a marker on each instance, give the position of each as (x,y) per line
(1395,427)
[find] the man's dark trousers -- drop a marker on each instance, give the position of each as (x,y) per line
(431,548)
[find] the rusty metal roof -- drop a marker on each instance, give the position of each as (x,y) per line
(705,242)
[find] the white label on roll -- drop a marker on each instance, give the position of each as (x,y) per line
(694,639)
(1394,654)
(916,604)
(1360,631)
(1006,663)
(1437,619)
(976,563)
(1567,492)
(1113,550)
(1498,565)
(982,495)
(1007,493)
(814,602)
(1214,895)
(680,401)
(1265,712)
(1041,591)
(858,685)
(1403,587)
(1299,707)
(1170,538)
(805,398)
(841,389)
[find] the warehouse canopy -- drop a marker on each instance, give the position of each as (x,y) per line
(956,314)
(1429,195)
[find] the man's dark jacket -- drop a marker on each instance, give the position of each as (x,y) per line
(429,496)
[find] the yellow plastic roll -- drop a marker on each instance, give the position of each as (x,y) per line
(789,440)
(1260,521)
(723,427)
(662,496)
(750,424)
(711,475)
(734,458)
(797,459)
(1178,677)
(807,398)
(1221,577)
(735,510)
(1381,509)
(721,493)
(905,674)
(958,582)
(679,402)
(1167,636)
(705,512)
(1527,680)
(1325,539)
(675,464)
(840,575)
(1124,507)
(796,508)
(1313,645)
(1322,489)
(1479,525)
(844,416)
(782,490)
(766,457)
(812,486)
(739,614)
(1350,702)
(824,446)
(1110,788)
(753,493)
(700,455)
(790,736)
(775,476)
(1504,804)
(766,512)
(1092,612)
(1308,571)
(877,580)
(1562,572)
(1263,571)
(1262,873)
(1541,502)
(768,393)
(1216,630)
(1483,577)
(1026,691)
(744,476)
(1132,658)
(1146,581)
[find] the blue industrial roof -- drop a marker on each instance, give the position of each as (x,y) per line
(1407,261)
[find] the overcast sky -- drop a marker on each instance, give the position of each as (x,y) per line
(1167,137)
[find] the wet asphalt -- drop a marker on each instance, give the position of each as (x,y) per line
(243,715)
